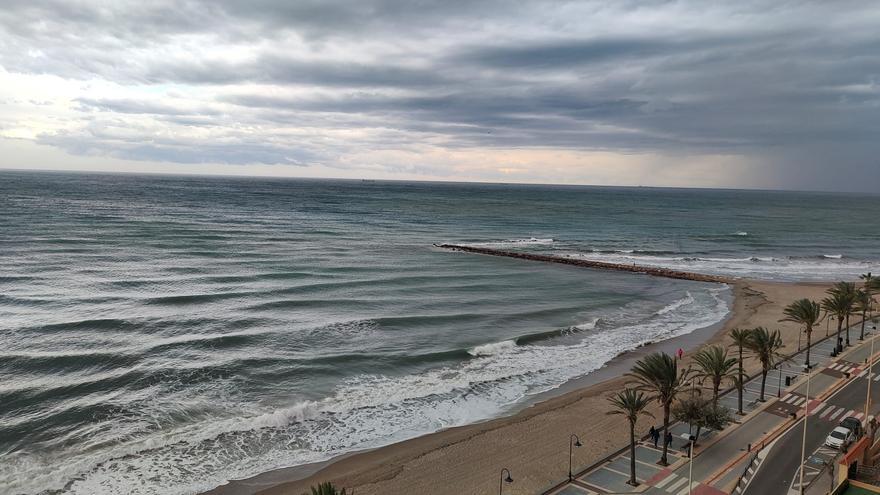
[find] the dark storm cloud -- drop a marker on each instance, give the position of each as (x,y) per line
(763,79)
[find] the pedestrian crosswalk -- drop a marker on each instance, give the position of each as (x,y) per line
(822,410)
(794,399)
(830,412)
(873,376)
(844,367)
(675,484)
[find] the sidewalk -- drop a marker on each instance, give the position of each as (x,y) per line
(722,457)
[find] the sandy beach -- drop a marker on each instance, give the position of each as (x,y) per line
(533,442)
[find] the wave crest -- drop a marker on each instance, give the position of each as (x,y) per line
(493,348)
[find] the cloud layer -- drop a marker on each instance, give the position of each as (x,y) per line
(532,91)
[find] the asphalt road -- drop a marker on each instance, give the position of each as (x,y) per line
(781,466)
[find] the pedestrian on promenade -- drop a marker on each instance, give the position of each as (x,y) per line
(655,435)
(669,438)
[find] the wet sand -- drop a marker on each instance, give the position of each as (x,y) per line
(533,442)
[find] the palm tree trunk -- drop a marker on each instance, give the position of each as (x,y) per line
(809,332)
(715,386)
(739,386)
(663,459)
(847,330)
(864,313)
(839,328)
(632,454)
(763,382)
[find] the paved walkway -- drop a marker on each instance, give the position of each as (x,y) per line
(712,463)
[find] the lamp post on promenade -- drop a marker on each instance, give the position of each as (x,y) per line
(573,441)
(504,479)
(691,465)
(779,383)
(804,439)
(870,375)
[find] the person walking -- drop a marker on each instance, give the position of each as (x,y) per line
(669,438)
(655,435)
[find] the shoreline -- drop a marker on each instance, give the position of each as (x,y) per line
(464,459)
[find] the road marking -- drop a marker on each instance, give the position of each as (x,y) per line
(829,412)
(800,401)
(877,378)
(791,399)
(686,489)
(859,416)
(850,413)
(675,486)
(862,374)
(818,408)
(836,414)
(835,366)
(786,397)
(665,480)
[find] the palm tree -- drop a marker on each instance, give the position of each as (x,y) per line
(715,365)
(740,337)
(836,304)
(863,304)
(807,313)
(764,345)
(326,488)
(872,283)
(657,374)
(846,291)
(631,404)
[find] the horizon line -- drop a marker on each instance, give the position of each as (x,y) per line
(426,181)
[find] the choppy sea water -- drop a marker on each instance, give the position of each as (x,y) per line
(165,334)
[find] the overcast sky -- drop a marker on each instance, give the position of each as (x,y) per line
(768,94)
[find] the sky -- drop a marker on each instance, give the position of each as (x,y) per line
(771,94)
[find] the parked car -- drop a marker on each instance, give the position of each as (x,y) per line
(854,425)
(839,438)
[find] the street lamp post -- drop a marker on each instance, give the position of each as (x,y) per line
(870,366)
(779,384)
(504,479)
(804,440)
(573,441)
(691,465)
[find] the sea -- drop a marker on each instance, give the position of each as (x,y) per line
(165,334)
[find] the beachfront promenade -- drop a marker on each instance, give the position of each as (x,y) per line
(723,461)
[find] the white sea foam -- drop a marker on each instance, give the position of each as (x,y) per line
(740,233)
(493,348)
(824,267)
(589,325)
(366,411)
(688,299)
(508,243)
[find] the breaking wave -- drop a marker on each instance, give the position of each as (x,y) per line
(239,439)
(493,348)
(788,268)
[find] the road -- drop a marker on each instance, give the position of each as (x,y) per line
(779,472)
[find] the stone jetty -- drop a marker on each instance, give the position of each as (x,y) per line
(648,270)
